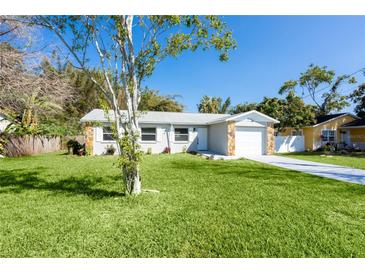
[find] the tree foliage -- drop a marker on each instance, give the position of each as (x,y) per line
(29,91)
(244,107)
(152,101)
(312,82)
(358,97)
(290,111)
(213,105)
(126,61)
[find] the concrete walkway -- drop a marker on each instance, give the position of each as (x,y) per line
(347,174)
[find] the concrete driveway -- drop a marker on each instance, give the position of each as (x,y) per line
(341,173)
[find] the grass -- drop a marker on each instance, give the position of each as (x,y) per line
(355,160)
(57,205)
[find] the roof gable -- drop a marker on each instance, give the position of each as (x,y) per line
(356,123)
(325,118)
(253,115)
(331,117)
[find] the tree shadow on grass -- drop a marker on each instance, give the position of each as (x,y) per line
(19,180)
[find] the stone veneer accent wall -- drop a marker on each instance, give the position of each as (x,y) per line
(231,130)
(89,140)
(270,145)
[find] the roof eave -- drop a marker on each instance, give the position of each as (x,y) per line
(354,116)
(270,119)
(363,126)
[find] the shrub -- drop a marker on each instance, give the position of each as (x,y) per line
(75,148)
(149,151)
(184,149)
(110,150)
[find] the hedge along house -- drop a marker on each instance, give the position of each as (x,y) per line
(334,129)
(249,133)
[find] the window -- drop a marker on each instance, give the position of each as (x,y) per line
(148,134)
(298,132)
(328,135)
(181,134)
(107,133)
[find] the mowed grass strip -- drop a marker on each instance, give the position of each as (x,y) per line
(58,205)
(354,160)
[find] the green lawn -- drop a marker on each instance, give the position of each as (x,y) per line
(67,206)
(355,160)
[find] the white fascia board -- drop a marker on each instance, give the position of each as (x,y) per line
(268,118)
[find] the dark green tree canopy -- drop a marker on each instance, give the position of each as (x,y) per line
(290,111)
(244,107)
(216,105)
(313,81)
(358,97)
(152,101)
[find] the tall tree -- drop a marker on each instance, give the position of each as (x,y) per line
(213,105)
(358,97)
(290,111)
(29,92)
(312,81)
(127,61)
(244,107)
(152,101)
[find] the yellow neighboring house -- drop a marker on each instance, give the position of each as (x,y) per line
(342,129)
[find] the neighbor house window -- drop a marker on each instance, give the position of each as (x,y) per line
(148,134)
(182,134)
(328,135)
(298,132)
(107,133)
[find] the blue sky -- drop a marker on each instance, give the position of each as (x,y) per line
(271,50)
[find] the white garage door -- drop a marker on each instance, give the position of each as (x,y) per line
(250,141)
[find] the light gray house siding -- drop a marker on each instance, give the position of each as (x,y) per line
(165,137)
(187,132)
(218,138)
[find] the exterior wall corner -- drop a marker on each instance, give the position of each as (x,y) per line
(89,139)
(231,134)
(270,144)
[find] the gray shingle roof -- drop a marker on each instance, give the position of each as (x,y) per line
(158,117)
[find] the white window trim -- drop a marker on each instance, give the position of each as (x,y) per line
(111,132)
(334,136)
(149,141)
(187,134)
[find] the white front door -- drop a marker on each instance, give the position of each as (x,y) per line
(250,141)
(345,136)
(202,140)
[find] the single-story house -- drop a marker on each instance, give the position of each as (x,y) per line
(344,129)
(240,134)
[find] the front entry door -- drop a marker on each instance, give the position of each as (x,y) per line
(202,138)
(345,137)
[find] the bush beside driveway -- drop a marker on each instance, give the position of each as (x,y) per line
(57,205)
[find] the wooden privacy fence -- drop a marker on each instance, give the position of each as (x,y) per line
(31,145)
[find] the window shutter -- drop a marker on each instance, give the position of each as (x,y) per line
(99,134)
(191,134)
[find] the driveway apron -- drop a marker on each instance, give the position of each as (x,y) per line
(346,174)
